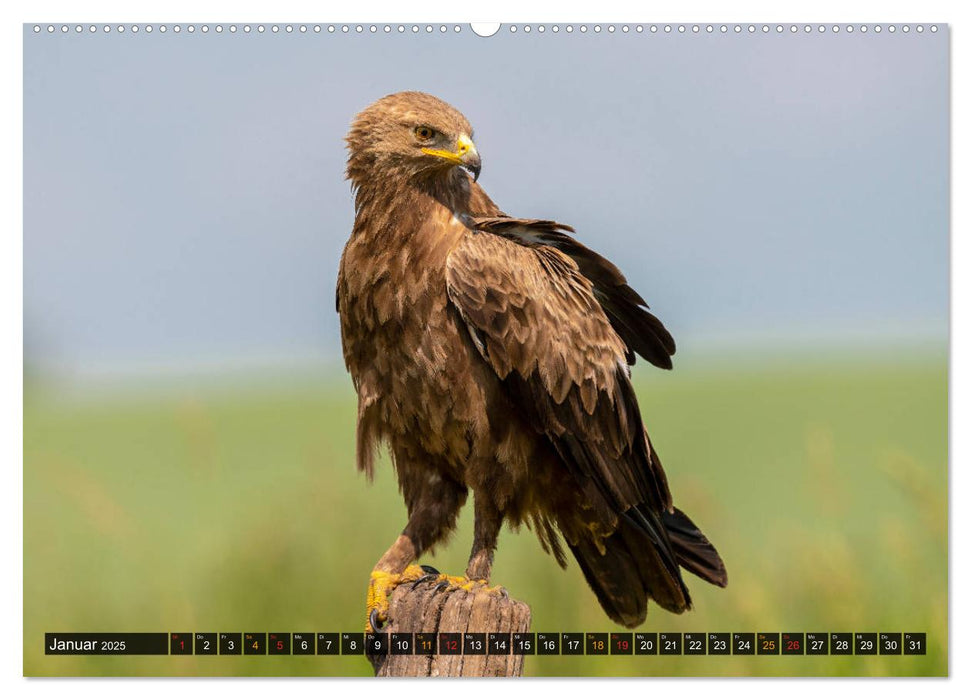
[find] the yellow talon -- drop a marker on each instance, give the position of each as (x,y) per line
(468,584)
(380,588)
(459,582)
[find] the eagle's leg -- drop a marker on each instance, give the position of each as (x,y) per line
(433,511)
(488,521)
(391,571)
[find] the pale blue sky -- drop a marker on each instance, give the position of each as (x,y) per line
(185,201)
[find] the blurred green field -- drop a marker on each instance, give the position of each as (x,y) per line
(823,484)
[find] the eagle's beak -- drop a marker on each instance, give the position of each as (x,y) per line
(465,155)
(470,156)
(474,166)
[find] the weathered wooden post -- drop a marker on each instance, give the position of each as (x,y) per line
(424,608)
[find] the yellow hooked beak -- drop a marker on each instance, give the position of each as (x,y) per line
(464,155)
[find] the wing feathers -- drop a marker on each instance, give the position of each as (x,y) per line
(544,333)
(627,312)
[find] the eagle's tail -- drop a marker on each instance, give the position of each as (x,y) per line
(693,550)
(634,567)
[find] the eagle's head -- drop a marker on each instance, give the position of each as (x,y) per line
(410,134)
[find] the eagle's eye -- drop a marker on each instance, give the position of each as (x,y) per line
(424,133)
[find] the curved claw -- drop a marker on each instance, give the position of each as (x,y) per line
(424,579)
(430,570)
(442,586)
(376,623)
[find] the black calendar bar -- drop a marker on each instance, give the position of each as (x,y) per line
(764,644)
(106,644)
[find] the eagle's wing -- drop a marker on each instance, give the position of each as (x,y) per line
(642,332)
(539,324)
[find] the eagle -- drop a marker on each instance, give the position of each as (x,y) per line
(493,354)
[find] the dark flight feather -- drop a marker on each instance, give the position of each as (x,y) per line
(695,553)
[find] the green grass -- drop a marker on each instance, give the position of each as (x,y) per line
(824,486)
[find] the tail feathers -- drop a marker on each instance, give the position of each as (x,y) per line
(640,561)
(632,569)
(693,550)
(609,577)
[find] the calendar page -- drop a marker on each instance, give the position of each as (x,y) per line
(549,349)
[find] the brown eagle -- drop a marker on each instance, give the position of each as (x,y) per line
(493,354)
